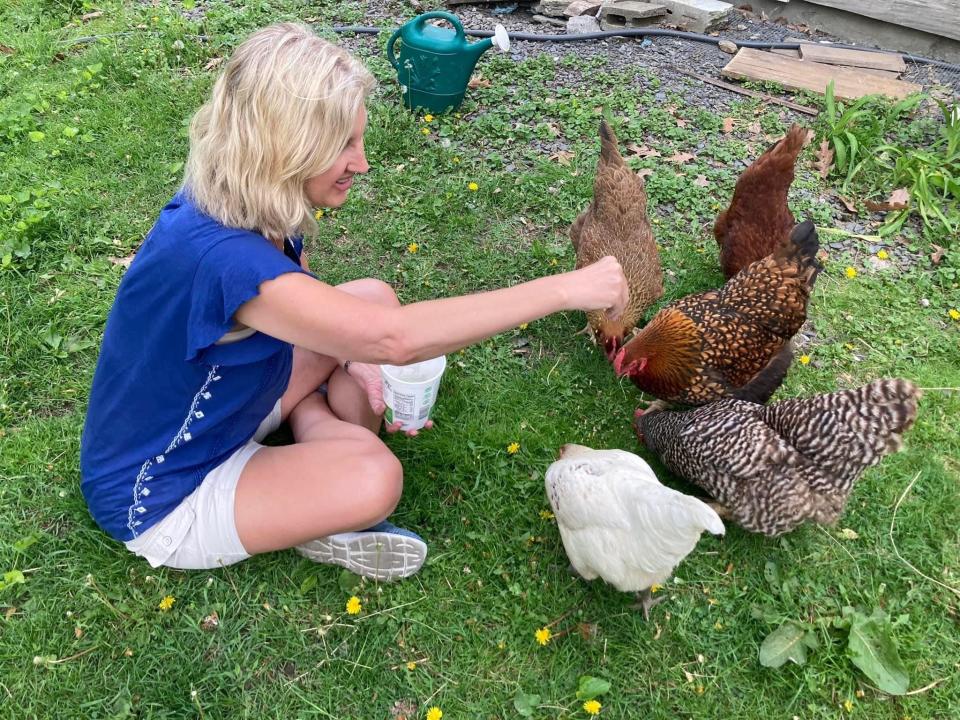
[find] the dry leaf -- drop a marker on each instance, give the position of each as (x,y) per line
(754,128)
(702,181)
(212,63)
(403,710)
(824,158)
(78,632)
(937,255)
(6,49)
(681,158)
(562,156)
(681,122)
(122,262)
(211,622)
(848,204)
(848,534)
(644,172)
(898,200)
(478,81)
(728,124)
(588,631)
(91,15)
(642,151)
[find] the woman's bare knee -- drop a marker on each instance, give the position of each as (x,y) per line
(381,484)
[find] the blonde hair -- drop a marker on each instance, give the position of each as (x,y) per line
(281,112)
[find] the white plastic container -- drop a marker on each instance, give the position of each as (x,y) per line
(410,391)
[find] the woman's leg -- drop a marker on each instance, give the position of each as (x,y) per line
(338,476)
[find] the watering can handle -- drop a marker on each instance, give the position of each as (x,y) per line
(449,17)
(390,56)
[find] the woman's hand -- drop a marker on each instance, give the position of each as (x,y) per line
(367,376)
(600,286)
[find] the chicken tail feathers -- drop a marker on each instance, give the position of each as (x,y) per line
(784,152)
(766,382)
(609,152)
(802,247)
(847,431)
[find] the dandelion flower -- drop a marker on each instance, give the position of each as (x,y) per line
(473,187)
(850,273)
(553,261)
(543,635)
(848,705)
(592,707)
(501,645)
(167,603)
(701,689)
(353,605)
(524,326)
(425,131)
(513,448)
(428,118)
(318,214)
(804,359)
(456,160)
(411,665)
(434,713)
(859,693)
(546,515)
(655,588)
(882,254)
(954,314)
(412,247)
(718,625)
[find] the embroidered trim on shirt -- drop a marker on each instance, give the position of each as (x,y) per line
(140,489)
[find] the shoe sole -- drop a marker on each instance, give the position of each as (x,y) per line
(376,555)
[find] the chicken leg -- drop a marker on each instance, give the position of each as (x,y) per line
(645,601)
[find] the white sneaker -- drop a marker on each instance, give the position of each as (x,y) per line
(383,552)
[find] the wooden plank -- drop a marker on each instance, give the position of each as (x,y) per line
(786,52)
(855,58)
(752,93)
(933,16)
(849,83)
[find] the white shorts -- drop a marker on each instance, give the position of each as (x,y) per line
(201,532)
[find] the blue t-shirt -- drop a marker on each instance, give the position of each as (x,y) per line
(168,404)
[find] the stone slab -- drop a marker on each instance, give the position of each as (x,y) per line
(631,13)
(583,7)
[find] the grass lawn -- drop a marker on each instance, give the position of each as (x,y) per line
(92,140)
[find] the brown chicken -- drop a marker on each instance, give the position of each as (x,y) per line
(731,342)
(615,223)
(758,218)
(773,467)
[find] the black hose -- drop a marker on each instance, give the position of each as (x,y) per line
(652,32)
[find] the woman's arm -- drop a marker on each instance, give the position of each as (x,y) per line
(306,312)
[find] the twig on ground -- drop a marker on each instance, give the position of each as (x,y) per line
(840,545)
(893,542)
(806,109)
(931,686)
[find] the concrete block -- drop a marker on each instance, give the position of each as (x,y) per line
(582,7)
(696,15)
(631,13)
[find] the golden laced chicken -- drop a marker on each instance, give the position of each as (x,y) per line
(773,467)
(619,523)
(731,342)
(759,218)
(615,223)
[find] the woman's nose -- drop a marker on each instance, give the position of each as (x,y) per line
(359,162)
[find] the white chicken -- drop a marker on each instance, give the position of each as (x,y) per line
(619,523)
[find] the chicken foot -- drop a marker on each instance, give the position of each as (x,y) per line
(645,601)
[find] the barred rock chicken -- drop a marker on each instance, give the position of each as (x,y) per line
(619,523)
(731,342)
(776,466)
(615,223)
(758,218)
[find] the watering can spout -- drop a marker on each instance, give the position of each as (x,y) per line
(434,63)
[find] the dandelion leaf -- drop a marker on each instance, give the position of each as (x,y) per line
(525,703)
(787,642)
(873,650)
(591,687)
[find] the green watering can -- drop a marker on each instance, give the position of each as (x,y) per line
(435,63)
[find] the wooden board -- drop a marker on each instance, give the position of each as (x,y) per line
(890,62)
(939,17)
(849,83)
(786,52)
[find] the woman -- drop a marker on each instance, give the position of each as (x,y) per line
(219,332)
